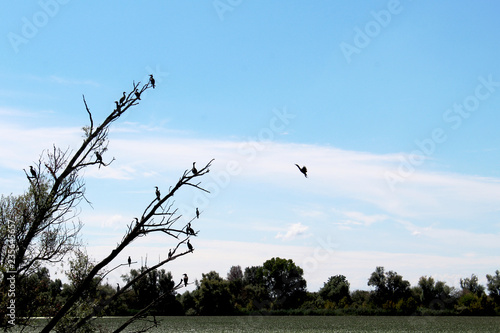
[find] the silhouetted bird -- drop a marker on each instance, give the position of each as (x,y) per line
(190,247)
(195,171)
(185,280)
(169,253)
(123,98)
(99,158)
(32,171)
(118,107)
(138,95)
(189,230)
(303,169)
(117,287)
(152,80)
(129,261)
(197,213)
(158,195)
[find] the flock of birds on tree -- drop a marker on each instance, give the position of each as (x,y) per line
(189,230)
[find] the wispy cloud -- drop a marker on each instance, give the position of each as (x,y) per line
(64,81)
(333,173)
(293,231)
(359,218)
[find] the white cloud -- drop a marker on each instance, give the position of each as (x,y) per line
(359,218)
(296,229)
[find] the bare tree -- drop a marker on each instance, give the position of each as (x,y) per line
(46,230)
(158,217)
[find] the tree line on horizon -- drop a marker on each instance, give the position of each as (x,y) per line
(277,287)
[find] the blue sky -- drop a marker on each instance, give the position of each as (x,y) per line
(392,106)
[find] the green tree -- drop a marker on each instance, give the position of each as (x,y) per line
(336,289)
(494,286)
(236,287)
(284,283)
(390,288)
(188,302)
(235,273)
(472,285)
(435,295)
(254,276)
(213,296)
(360,298)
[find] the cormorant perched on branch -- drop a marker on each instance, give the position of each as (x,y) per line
(197,213)
(152,80)
(123,98)
(32,171)
(169,253)
(129,261)
(189,230)
(99,157)
(138,95)
(117,287)
(190,247)
(185,280)
(118,107)
(158,195)
(195,171)
(303,169)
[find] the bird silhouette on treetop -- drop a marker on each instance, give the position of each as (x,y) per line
(123,98)
(138,95)
(303,169)
(32,171)
(129,261)
(158,195)
(194,170)
(189,230)
(190,247)
(152,80)
(118,107)
(185,280)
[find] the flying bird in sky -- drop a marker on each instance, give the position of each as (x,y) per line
(303,169)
